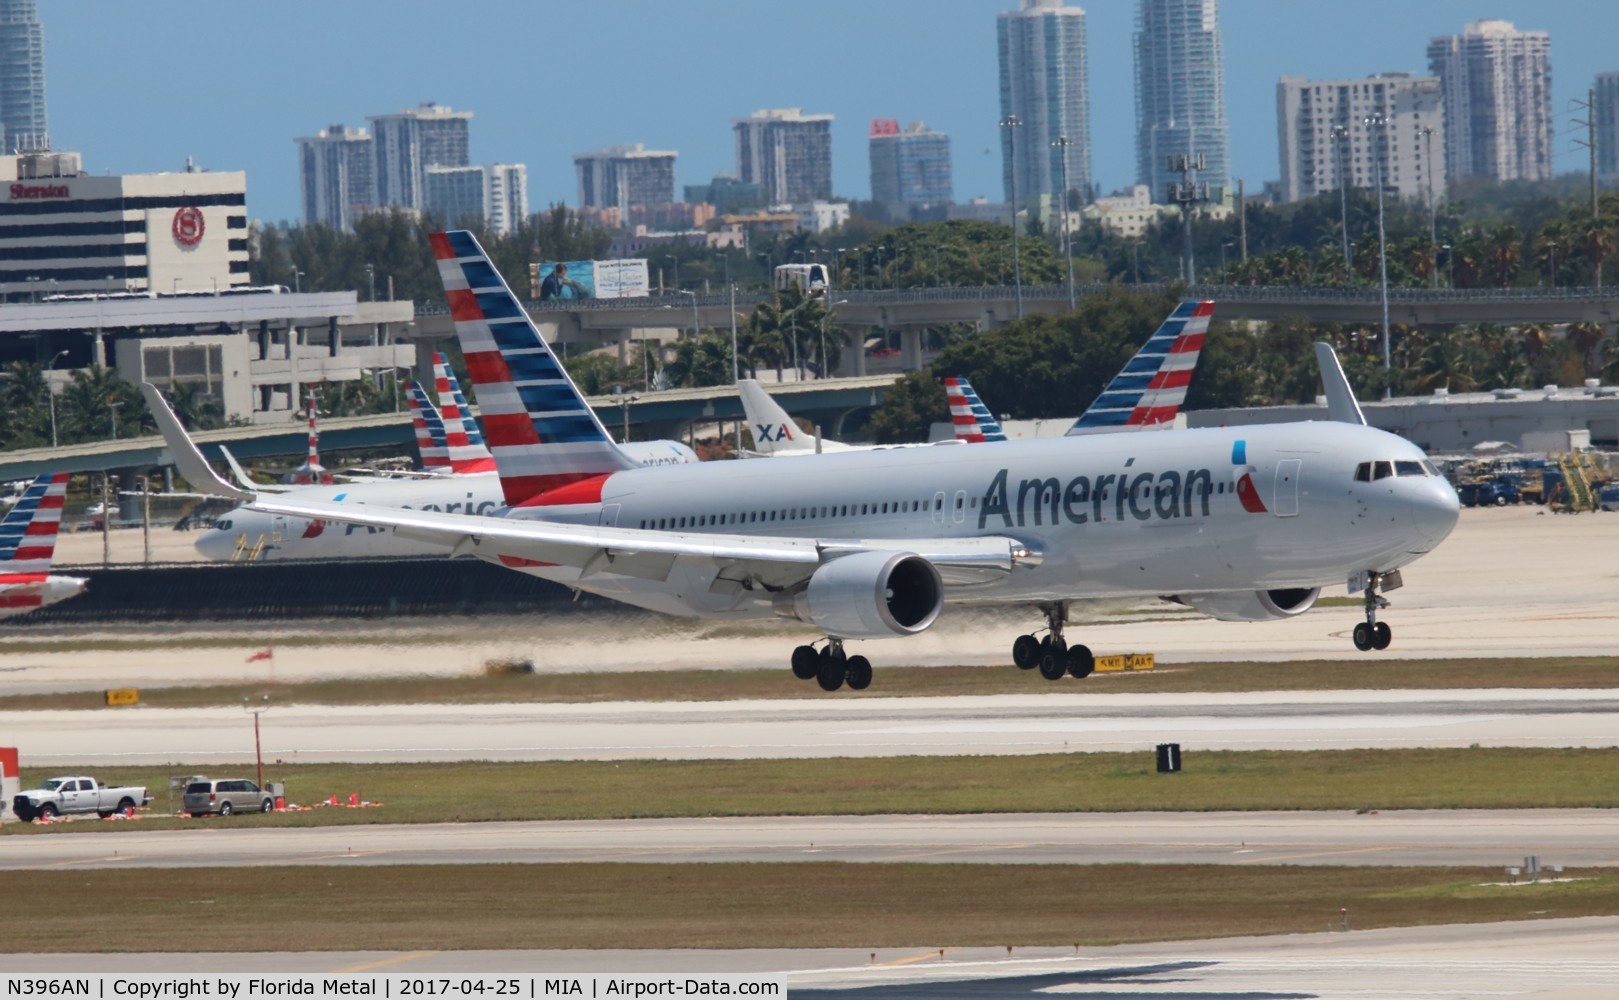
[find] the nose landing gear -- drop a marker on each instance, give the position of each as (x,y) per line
(1051,652)
(1371,633)
(830,667)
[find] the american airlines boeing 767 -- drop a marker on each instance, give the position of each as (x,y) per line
(1243,524)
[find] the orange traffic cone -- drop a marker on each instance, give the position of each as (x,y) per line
(354,799)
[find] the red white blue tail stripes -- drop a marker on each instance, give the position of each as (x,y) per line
(467,452)
(972,419)
(542,433)
(1152,386)
(429,428)
(28,533)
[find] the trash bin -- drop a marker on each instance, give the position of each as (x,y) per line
(1169,758)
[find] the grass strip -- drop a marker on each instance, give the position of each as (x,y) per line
(766,905)
(1481,778)
(891,682)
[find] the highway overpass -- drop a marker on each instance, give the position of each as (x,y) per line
(650,415)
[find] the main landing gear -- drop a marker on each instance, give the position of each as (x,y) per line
(830,667)
(1371,633)
(1051,653)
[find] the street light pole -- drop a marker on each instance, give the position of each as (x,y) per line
(50,391)
(1063,142)
(1379,122)
(1013,122)
(695,322)
(1339,134)
(371,278)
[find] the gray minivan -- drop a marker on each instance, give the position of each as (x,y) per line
(225,796)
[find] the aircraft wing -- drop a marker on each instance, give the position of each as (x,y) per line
(749,561)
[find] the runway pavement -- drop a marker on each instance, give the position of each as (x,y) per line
(1574,838)
(1548,959)
(1016,724)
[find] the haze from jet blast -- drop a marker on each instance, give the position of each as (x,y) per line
(233,84)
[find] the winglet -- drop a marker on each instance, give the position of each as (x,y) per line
(28,532)
(1341,404)
(184,452)
(971,418)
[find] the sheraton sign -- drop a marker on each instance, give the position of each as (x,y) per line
(29,192)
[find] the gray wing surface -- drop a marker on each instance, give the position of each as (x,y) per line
(746,560)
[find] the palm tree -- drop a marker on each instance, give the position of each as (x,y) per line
(1553,246)
(1585,338)
(1503,250)
(1595,241)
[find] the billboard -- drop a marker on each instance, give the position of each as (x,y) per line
(589,279)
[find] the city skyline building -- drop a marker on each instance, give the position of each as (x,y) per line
(1045,88)
(507,193)
(22,78)
(910,168)
(1324,140)
(337,175)
(1605,91)
(407,143)
(622,177)
(1497,85)
(1180,94)
(787,153)
(495,196)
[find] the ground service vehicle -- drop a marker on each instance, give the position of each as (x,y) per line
(73,794)
(226,796)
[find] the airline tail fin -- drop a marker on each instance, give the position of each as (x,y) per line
(540,429)
(972,419)
(28,533)
(1341,404)
(467,451)
(1152,386)
(429,428)
(773,430)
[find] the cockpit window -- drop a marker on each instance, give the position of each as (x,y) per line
(1433,470)
(1363,472)
(223,524)
(1382,470)
(1409,468)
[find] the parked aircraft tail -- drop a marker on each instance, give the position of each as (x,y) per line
(428,425)
(774,432)
(28,533)
(972,419)
(1152,386)
(467,452)
(541,431)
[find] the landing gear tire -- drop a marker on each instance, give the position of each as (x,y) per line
(806,662)
(858,671)
(1382,635)
(1363,637)
(1026,652)
(832,669)
(1053,659)
(1080,661)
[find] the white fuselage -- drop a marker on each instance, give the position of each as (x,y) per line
(276,537)
(22,593)
(1110,515)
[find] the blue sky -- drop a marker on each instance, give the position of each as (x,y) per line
(140,86)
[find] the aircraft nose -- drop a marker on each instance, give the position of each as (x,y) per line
(1434,510)
(215,545)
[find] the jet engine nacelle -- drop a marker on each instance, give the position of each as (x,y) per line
(868,595)
(1253,606)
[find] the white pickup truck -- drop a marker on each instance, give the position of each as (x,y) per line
(76,793)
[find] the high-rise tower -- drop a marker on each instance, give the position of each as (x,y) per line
(910,168)
(1180,93)
(22,77)
(787,153)
(337,174)
(409,142)
(1044,87)
(1497,83)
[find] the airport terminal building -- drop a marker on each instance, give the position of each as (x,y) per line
(148,273)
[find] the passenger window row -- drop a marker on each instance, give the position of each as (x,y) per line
(803,513)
